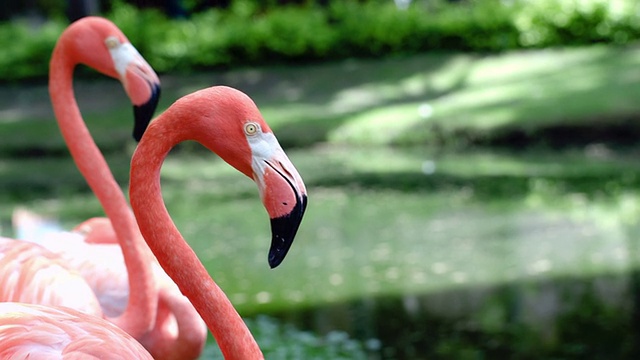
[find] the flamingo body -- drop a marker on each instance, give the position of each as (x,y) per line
(31,273)
(93,251)
(59,326)
(39,332)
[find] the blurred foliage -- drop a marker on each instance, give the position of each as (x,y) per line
(26,51)
(251,33)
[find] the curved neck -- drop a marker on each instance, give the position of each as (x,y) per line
(139,314)
(174,254)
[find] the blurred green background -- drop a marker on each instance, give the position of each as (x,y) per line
(472,166)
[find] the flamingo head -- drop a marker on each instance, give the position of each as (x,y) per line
(236,131)
(98,43)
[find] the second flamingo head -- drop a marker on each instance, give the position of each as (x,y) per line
(99,44)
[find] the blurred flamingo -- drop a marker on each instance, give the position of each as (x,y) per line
(178,331)
(122,262)
(68,326)
(102,46)
(98,43)
(33,274)
(229,124)
(30,331)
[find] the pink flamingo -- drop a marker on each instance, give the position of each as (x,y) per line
(149,318)
(228,123)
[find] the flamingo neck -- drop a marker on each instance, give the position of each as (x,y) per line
(138,316)
(174,254)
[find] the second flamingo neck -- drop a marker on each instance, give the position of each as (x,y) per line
(138,316)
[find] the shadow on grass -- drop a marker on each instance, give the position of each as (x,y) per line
(482,175)
(317,88)
(481,187)
(557,102)
(596,171)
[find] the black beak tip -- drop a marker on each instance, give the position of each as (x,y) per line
(277,253)
(284,230)
(144,113)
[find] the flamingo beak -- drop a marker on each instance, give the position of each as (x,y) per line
(142,114)
(285,198)
(141,84)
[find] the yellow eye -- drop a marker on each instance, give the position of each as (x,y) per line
(112,42)
(251,128)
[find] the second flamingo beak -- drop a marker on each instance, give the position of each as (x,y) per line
(140,82)
(285,198)
(143,87)
(142,114)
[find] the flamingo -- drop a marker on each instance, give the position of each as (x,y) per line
(228,123)
(99,44)
(120,269)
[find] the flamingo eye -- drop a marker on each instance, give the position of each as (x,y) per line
(112,42)
(251,128)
